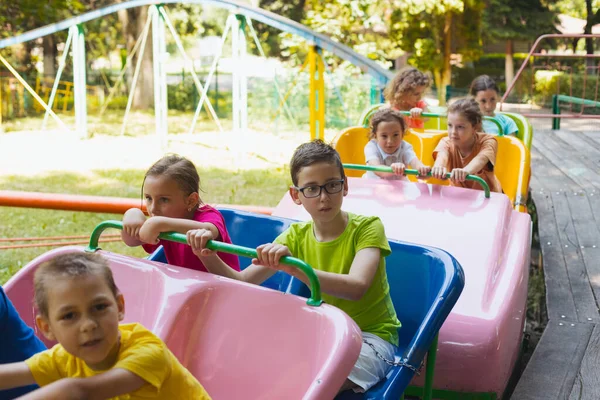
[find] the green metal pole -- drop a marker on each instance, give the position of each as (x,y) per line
(79,81)
(315,285)
(555,111)
(431,355)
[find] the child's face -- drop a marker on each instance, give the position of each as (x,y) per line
(487,100)
(83,316)
(389,136)
(410,98)
(460,131)
(326,205)
(164,198)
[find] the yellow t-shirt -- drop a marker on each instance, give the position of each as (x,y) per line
(374,312)
(141,352)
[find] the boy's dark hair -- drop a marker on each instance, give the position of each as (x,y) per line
(407,79)
(69,265)
(311,153)
(386,114)
(469,108)
(482,83)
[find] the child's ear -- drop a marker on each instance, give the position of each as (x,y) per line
(44,327)
(121,306)
(193,201)
(294,193)
(345,185)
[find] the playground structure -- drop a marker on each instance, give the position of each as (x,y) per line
(573,86)
(500,296)
(238,25)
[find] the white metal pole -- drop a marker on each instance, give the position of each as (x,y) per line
(61,67)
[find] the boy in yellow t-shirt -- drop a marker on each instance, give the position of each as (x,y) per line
(95,358)
(347,251)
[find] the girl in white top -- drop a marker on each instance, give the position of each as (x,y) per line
(386,146)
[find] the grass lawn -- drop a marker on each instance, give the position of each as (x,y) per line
(248,187)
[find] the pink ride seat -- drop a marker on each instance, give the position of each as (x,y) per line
(239,340)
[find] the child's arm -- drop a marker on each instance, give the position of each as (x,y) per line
(155,225)
(197,239)
(382,175)
(372,157)
(439,167)
(352,286)
(486,155)
(419,166)
(133,219)
(15,375)
(112,383)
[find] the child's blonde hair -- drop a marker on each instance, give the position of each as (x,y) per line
(69,265)
(468,108)
(386,114)
(407,79)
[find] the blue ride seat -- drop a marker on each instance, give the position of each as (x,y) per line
(425,283)
(251,230)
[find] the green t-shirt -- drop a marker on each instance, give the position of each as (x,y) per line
(374,312)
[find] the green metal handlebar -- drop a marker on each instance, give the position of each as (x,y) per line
(383,168)
(369,113)
(315,287)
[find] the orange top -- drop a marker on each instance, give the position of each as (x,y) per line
(415,123)
(485,146)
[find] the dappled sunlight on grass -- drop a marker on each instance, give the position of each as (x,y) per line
(248,187)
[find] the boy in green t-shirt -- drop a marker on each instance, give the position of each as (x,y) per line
(346,250)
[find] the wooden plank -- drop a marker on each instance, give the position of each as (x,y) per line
(568,161)
(551,176)
(551,372)
(559,298)
(592,136)
(578,278)
(592,139)
(588,239)
(587,381)
(586,154)
(561,301)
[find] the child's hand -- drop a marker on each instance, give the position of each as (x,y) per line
(269,255)
(439,172)
(459,175)
(424,170)
(150,230)
(398,168)
(197,239)
(133,220)
(416,112)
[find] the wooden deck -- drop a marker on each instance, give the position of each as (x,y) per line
(566,189)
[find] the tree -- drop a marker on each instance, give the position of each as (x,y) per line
(510,20)
(592,19)
(363,25)
(433,30)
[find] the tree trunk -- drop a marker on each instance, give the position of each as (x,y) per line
(50,54)
(133,21)
(509,65)
(589,44)
(445,75)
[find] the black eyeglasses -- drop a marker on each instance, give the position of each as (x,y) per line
(311,191)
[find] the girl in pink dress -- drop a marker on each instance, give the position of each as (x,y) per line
(170,190)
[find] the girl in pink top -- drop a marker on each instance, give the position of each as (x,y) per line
(404,93)
(170,190)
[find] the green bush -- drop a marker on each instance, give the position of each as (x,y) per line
(551,82)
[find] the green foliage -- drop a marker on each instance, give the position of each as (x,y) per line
(517,19)
(576,85)
(251,187)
